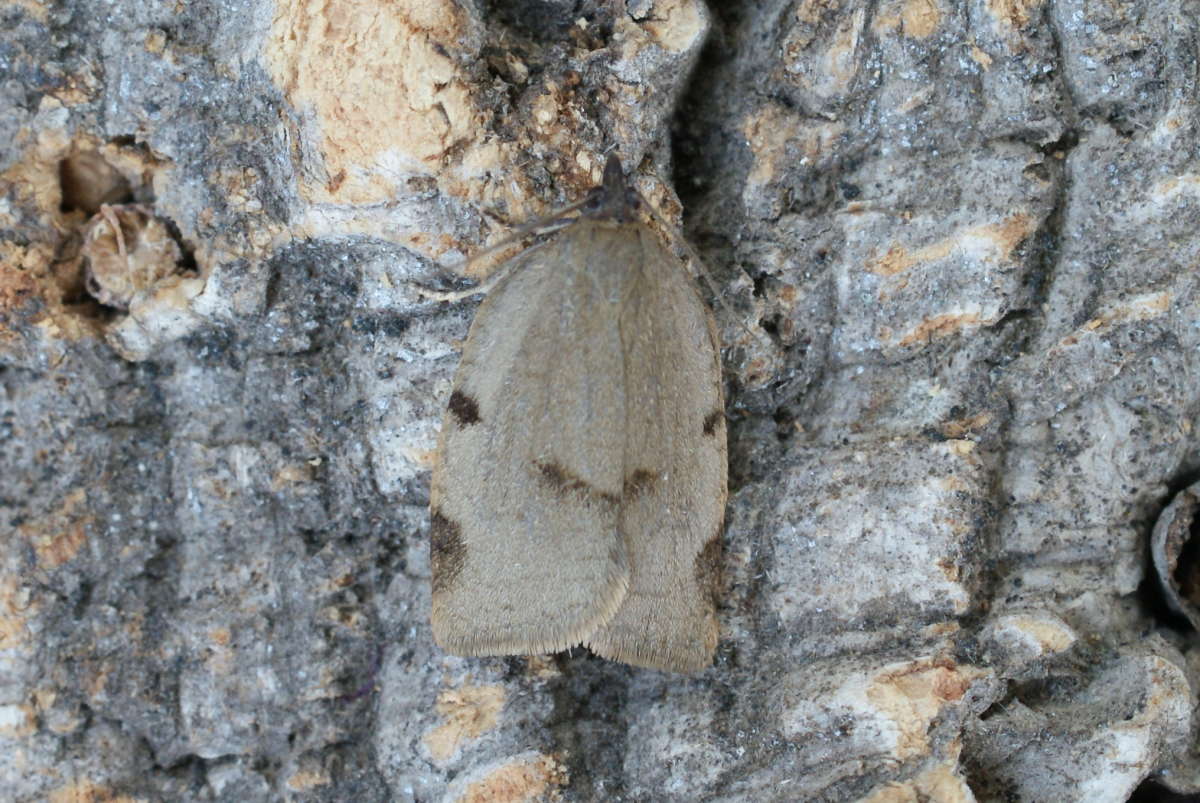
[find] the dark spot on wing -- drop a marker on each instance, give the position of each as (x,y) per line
(447,552)
(707,570)
(712,420)
(564,481)
(639,482)
(464,408)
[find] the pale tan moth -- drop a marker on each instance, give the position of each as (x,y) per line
(579,490)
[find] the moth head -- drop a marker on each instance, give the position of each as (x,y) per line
(615,199)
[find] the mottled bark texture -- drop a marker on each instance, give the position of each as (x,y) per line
(953,252)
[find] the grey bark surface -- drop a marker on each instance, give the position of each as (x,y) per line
(955,248)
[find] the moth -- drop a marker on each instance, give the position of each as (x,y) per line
(579,490)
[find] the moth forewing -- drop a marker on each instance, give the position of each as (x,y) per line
(674,494)
(528,556)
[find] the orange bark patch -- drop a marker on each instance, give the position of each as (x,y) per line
(1014,13)
(469,711)
(912,697)
(921,18)
(941,326)
(523,780)
(57,537)
(961,427)
(994,240)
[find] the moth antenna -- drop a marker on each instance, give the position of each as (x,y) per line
(699,263)
(484,287)
(546,225)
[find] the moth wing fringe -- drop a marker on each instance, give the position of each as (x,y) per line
(470,642)
(692,659)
